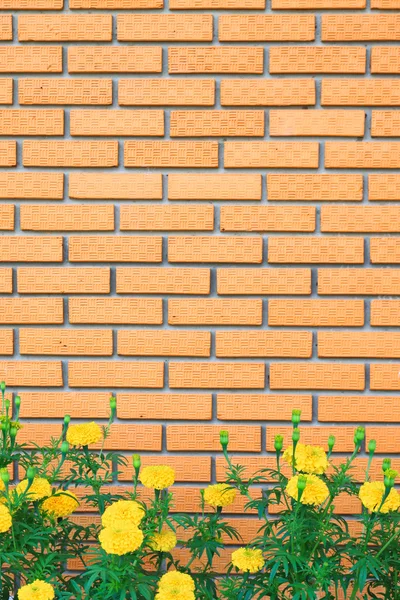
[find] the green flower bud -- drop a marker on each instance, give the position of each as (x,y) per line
(67,420)
(224,438)
(3,426)
(30,473)
(278,444)
(372,446)
(17,401)
(386,464)
(3,386)
(64,448)
(359,435)
(7,403)
(113,403)
(5,476)
(302,483)
(331,442)
(136,461)
(296,435)
(390,476)
(296,414)
(13,432)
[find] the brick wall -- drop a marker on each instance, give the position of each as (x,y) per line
(199,209)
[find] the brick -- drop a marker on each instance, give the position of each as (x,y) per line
(221,123)
(114,249)
(385,313)
(367,282)
(349,408)
(70,154)
(6,284)
(385,60)
(114,59)
(115,186)
(360,92)
(171,154)
(383,187)
(31,4)
(7,217)
(217,4)
(264,281)
(216,375)
(31,373)
(27,186)
(79,405)
(6,91)
(317,4)
(6,28)
(206,438)
(64,280)
(110,311)
(252,464)
(321,187)
(266,28)
(162,280)
(316,250)
(65,91)
(77,342)
(212,311)
(317,376)
(6,342)
(115,4)
(348,344)
(267,92)
(362,155)
(344,123)
(36,217)
(263,344)
(267,218)
(117,122)
(65,28)
(165,28)
(362,219)
(213,187)
(315,435)
(385,123)
(261,407)
(162,92)
(32,59)
(350,28)
(274,155)
(31,249)
(188,499)
(315,59)
(387,438)
(31,122)
(116,374)
(388,4)
(146,217)
(164,343)
(215,249)
(31,311)
(198,407)
(187,468)
(316,313)
(384,376)
(8,154)
(215,59)
(384,250)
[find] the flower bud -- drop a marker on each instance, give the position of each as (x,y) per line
(278,444)
(30,473)
(371,446)
(224,438)
(296,435)
(136,461)
(64,448)
(390,476)
(302,483)
(5,476)
(13,432)
(67,420)
(7,403)
(359,435)
(331,442)
(3,426)
(296,414)
(113,403)
(386,464)
(3,386)
(17,404)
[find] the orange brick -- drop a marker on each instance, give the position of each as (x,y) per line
(8,154)
(31,4)
(375,282)
(116,374)
(316,313)
(96,248)
(217,4)
(164,343)
(26,186)
(214,249)
(31,249)
(264,281)
(165,28)
(350,28)
(6,284)
(115,186)
(385,250)
(344,123)
(315,250)
(146,217)
(262,407)
(384,376)
(385,313)
(213,187)
(360,92)
(32,59)
(79,405)
(266,28)
(383,187)
(77,342)
(348,344)
(36,217)
(315,59)
(171,154)
(115,4)
(206,438)
(314,435)
(216,375)
(388,4)
(267,92)
(212,311)
(252,464)
(162,280)
(31,373)
(385,123)
(361,219)
(65,91)
(31,122)
(263,344)
(117,122)
(215,59)
(65,28)
(187,468)
(165,406)
(7,217)
(299,155)
(387,438)
(6,28)
(362,155)
(70,154)
(385,60)
(6,342)
(162,92)
(31,311)
(124,311)
(315,187)
(317,376)
(6,91)
(64,280)
(222,123)
(317,4)
(114,59)
(267,218)
(384,409)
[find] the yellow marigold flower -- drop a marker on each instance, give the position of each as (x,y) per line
(248,559)
(2,490)
(371,495)
(128,511)
(38,590)
(315,493)
(121,538)
(39,489)
(309,459)
(5,519)
(157,477)
(60,504)
(163,541)
(84,434)
(175,586)
(219,494)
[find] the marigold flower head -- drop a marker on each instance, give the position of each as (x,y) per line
(309,459)
(84,434)
(5,519)
(121,538)
(127,511)
(175,586)
(371,495)
(38,590)
(219,494)
(315,492)
(39,489)
(163,541)
(61,504)
(248,560)
(157,477)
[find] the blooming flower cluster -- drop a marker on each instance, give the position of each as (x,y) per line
(38,590)
(176,586)
(157,477)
